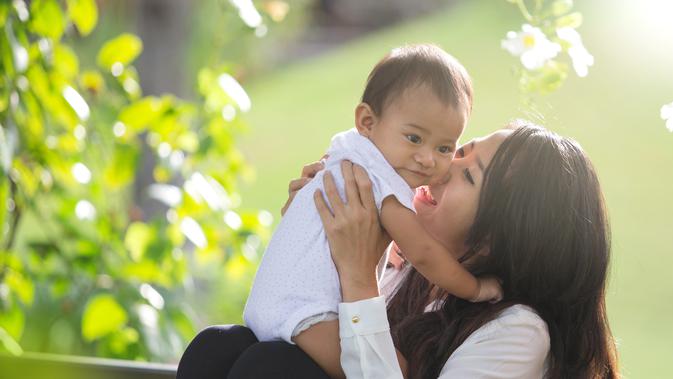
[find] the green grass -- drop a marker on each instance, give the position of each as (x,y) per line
(613,113)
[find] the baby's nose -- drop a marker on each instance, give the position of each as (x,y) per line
(424,159)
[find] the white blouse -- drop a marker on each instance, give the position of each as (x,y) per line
(514,345)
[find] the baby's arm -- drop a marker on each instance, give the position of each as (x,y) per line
(321,343)
(432,259)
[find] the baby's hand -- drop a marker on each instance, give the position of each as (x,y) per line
(489,290)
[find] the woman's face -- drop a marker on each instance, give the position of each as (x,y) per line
(447,210)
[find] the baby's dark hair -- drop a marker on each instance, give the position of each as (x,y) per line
(413,65)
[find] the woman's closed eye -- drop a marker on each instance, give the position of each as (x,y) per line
(460,152)
(468,175)
(413,138)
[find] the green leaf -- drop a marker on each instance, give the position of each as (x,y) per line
(142,112)
(102,316)
(120,170)
(560,7)
(12,321)
(123,49)
(47,19)
(138,237)
(9,343)
(4,10)
(119,341)
(84,14)
(573,20)
(23,288)
(66,62)
(146,271)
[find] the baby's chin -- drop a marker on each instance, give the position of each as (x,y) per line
(414,180)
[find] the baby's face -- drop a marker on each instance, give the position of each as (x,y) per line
(417,133)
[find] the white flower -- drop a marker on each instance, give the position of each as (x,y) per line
(578,53)
(534,48)
(667,114)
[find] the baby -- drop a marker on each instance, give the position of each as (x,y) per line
(413,111)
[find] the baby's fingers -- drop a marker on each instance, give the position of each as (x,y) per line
(297,184)
(311,169)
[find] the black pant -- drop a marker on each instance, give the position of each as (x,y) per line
(232,351)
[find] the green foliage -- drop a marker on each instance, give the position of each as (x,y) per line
(92,274)
(123,50)
(102,316)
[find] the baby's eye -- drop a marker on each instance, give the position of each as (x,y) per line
(413,138)
(445,149)
(460,152)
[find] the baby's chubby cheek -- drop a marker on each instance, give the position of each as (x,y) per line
(441,176)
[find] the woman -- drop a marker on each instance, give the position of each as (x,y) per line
(524,206)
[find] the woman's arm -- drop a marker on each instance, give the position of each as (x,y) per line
(357,242)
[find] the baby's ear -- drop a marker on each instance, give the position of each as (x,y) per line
(365,119)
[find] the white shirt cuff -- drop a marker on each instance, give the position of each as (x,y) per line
(363,317)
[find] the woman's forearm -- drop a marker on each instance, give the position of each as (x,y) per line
(356,288)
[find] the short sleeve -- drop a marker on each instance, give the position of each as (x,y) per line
(385,186)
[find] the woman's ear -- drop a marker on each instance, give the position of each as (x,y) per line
(365,119)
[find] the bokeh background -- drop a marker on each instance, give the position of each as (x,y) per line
(304,68)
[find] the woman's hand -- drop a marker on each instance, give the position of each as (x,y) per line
(307,173)
(355,236)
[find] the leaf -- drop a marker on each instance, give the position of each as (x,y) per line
(47,19)
(23,288)
(138,237)
(4,10)
(102,316)
(123,49)
(9,343)
(84,14)
(573,20)
(65,61)
(120,340)
(12,321)
(120,170)
(146,271)
(560,7)
(142,112)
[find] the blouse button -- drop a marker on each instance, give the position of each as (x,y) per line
(355,319)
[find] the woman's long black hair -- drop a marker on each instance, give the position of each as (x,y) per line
(542,219)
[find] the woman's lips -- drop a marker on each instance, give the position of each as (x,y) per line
(423,194)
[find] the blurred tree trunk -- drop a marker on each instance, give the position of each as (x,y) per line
(162,25)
